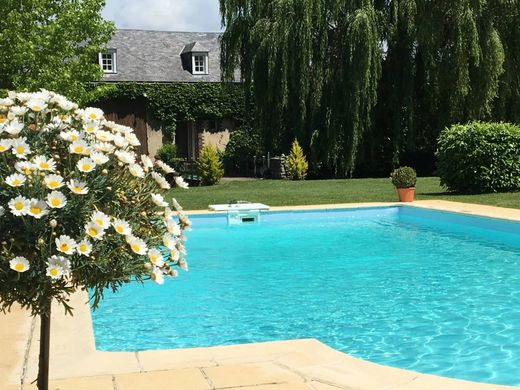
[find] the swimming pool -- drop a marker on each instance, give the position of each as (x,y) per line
(424,290)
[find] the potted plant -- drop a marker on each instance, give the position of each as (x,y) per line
(404,179)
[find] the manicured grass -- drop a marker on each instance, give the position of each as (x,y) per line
(292,193)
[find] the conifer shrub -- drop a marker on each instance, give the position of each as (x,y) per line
(296,164)
(210,166)
(480,157)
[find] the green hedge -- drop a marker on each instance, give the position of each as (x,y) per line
(480,157)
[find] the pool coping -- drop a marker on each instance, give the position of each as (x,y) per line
(292,364)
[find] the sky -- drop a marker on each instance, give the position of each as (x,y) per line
(169,15)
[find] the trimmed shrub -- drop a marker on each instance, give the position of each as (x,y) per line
(296,164)
(404,177)
(480,157)
(242,146)
(210,166)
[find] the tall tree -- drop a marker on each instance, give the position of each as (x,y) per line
(51,44)
(312,67)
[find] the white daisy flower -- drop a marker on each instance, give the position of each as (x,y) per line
(174,254)
(6,102)
(136,170)
(147,162)
(169,241)
(5,145)
(181,183)
(84,248)
(120,141)
(62,261)
(138,246)
(18,110)
(176,205)
(70,136)
(182,264)
(165,167)
(92,114)
(53,182)
(36,105)
(99,158)
(86,165)
(19,206)
(155,257)
(65,244)
(37,208)
(44,164)
(79,147)
(100,219)
(132,139)
(77,187)
(94,231)
(15,180)
(172,227)
(56,200)
(54,270)
(159,200)
(24,167)
(66,105)
(14,127)
(161,181)
(122,227)
(20,148)
(125,157)
(19,264)
(104,136)
(104,147)
(157,276)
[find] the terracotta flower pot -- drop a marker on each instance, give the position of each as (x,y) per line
(406,194)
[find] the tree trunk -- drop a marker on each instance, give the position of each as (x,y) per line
(45,336)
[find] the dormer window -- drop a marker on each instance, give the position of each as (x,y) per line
(200,63)
(195,58)
(107,61)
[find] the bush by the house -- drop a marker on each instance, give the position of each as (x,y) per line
(480,157)
(404,177)
(297,165)
(168,154)
(210,166)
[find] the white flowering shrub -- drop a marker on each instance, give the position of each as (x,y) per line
(78,207)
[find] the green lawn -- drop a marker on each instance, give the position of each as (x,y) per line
(289,193)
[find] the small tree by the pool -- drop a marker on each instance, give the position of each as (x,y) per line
(78,208)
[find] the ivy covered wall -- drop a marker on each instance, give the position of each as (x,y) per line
(172,103)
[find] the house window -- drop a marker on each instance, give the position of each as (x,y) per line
(200,63)
(107,61)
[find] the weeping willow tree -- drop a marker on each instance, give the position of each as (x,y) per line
(312,68)
(368,85)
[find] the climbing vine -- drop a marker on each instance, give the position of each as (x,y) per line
(171,103)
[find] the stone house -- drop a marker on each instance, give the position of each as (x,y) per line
(143,56)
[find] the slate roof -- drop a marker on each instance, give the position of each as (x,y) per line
(155,56)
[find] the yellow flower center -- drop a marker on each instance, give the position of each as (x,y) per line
(55,202)
(93,115)
(83,248)
(76,189)
(19,267)
(2,148)
(73,137)
(100,222)
(86,167)
(3,118)
(64,247)
(17,182)
(18,206)
(89,129)
(54,184)
(36,210)
(53,272)
(36,108)
(44,165)
(19,149)
(78,149)
(154,276)
(120,229)
(153,259)
(27,171)
(92,232)
(136,248)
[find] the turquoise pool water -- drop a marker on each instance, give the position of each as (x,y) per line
(423,290)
